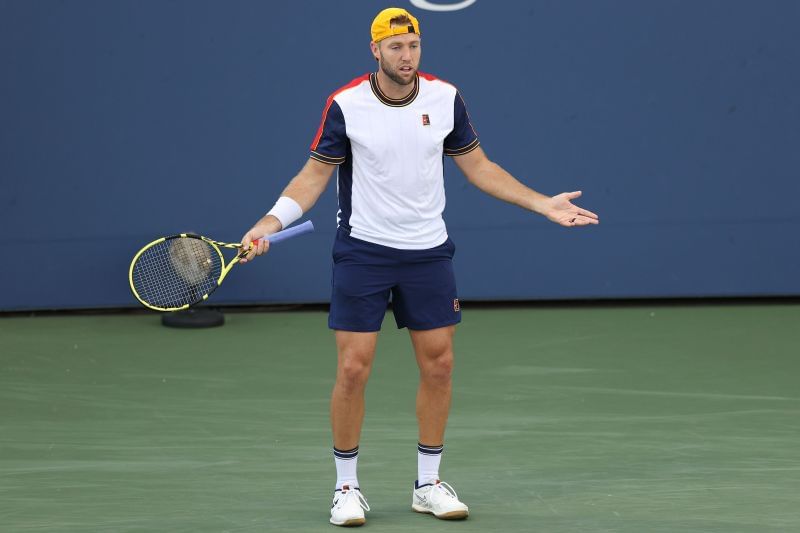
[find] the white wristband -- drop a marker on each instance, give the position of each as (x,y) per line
(286,211)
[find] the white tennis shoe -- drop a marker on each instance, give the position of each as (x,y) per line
(348,507)
(440,500)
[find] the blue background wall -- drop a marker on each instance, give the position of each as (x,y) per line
(680,120)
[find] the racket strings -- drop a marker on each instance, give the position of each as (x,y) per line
(176,272)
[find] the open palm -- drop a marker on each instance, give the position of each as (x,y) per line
(561,210)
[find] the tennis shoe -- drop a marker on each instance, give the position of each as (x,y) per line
(438,499)
(348,507)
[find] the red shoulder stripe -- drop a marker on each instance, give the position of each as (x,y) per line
(353,83)
(431,77)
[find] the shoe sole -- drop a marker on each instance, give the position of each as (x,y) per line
(452,515)
(353,522)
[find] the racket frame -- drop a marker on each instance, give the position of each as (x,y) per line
(288,233)
(215,245)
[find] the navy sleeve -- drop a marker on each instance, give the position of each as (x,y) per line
(330,144)
(463,138)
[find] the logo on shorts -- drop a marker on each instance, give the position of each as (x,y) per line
(456,305)
(426,120)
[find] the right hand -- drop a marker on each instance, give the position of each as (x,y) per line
(266,226)
(257,249)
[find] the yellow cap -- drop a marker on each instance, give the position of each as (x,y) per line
(382,26)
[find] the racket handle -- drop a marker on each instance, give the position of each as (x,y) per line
(288,233)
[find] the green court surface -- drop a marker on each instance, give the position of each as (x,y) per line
(586,419)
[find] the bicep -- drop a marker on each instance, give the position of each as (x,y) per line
(471,163)
(317,171)
(309,183)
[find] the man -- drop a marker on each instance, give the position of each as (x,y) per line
(386,132)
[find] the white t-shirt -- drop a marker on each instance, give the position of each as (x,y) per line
(391,179)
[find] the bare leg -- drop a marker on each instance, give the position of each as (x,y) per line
(356,351)
(434,351)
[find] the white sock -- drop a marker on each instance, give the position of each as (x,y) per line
(428,459)
(346,465)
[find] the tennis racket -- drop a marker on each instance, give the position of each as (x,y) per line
(173,273)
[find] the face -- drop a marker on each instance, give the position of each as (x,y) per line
(399,57)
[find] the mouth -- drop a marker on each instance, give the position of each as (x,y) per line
(406,69)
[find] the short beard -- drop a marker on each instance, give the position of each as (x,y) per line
(393,75)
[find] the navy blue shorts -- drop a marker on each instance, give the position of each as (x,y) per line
(421,284)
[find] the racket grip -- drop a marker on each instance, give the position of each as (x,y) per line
(288,233)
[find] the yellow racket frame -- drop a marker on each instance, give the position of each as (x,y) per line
(216,245)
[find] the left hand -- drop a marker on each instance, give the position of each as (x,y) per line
(561,210)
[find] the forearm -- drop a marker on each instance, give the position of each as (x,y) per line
(493,179)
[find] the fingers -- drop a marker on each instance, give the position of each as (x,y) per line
(580,220)
(254,245)
(563,212)
(261,246)
(246,244)
(588,214)
(585,221)
(575,216)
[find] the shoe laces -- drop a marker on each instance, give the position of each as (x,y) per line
(443,490)
(350,493)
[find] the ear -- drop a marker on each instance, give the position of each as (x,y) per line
(375,50)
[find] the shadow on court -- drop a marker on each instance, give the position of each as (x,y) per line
(595,419)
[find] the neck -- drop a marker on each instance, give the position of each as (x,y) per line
(393,89)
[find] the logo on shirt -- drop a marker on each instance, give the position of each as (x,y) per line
(426,121)
(456,305)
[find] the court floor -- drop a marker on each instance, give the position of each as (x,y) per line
(649,418)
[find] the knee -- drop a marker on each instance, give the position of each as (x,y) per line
(438,369)
(353,373)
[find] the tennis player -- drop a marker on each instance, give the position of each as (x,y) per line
(386,132)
